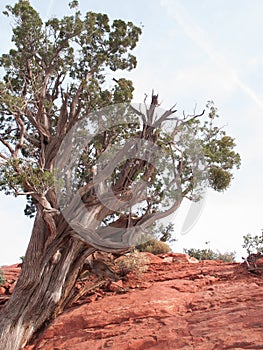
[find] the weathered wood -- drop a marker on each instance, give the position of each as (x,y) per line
(44,286)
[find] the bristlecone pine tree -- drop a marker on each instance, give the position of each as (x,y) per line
(55,75)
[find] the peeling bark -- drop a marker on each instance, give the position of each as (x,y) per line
(45,285)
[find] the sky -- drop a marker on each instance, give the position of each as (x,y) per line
(190,52)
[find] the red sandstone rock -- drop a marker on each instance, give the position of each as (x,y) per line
(206,306)
(178,258)
(260,262)
(153,259)
(12,272)
(168,259)
(115,286)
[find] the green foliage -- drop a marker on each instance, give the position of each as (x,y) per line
(55,67)
(227,256)
(219,179)
(134,262)
(209,254)
(253,244)
(55,75)
(66,49)
(165,233)
(154,246)
(73,4)
(2,278)
(123,91)
(219,152)
(28,176)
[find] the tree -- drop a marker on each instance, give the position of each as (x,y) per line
(53,95)
(165,233)
(253,244)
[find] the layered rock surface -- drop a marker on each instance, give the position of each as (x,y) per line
(176,304)
(10,274)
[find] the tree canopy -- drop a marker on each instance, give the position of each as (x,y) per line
(55,75)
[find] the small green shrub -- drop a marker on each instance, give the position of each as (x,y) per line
(209,254)
(133,262)
(2,278)
(227,256)
(253,244)
(154,246)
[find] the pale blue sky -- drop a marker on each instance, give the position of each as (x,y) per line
(190,51)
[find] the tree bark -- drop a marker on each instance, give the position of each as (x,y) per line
(46,283)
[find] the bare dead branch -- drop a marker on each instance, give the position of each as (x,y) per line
(192,117)
(197,116)
(163,118)
(151,218)
(138,113)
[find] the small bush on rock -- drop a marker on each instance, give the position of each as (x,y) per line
(2,278)
(154,246)
(253,244)
(133,262)
(209,254)
(227,256)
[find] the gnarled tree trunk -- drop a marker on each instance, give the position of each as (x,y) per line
(45,285)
